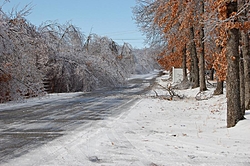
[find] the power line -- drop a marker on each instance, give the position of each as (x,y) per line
(127,39)
(121,32)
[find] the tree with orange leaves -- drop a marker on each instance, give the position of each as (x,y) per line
(232,54)
(145,15)
(184,23)
(176,19)
(230,26)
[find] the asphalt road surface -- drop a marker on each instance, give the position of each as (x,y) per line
(27,127)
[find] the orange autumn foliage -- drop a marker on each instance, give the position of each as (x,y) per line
(173,18)
(224,23)
(170,60)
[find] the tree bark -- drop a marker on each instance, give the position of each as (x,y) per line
(219,88)
(211,74)
(242,85)
(233,80)
(184,64)
(220,83)
(194,73)
(203,86)
(245,60)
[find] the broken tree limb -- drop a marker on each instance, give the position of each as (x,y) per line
(171,91)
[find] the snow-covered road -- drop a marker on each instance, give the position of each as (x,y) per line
(27,125)
(153,132)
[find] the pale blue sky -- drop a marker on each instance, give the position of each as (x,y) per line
(112,18)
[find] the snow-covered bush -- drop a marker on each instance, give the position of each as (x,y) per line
(145,60)
(59,58)
(22,58)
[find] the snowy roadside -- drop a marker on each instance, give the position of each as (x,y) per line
(153,132)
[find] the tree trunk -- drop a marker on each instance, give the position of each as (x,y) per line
(233,80)
(242,85)
(211,74)
(219,88)
(245,59)
(184,65)
(203,86)
(194,75)
(202,66)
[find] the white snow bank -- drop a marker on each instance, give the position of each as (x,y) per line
(182,132)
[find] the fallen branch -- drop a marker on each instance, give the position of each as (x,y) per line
(171,91)
(156,94)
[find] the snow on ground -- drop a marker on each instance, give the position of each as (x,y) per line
(148,76)
(38,100)
(154,132)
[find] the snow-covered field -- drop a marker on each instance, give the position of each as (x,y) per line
(154,132)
